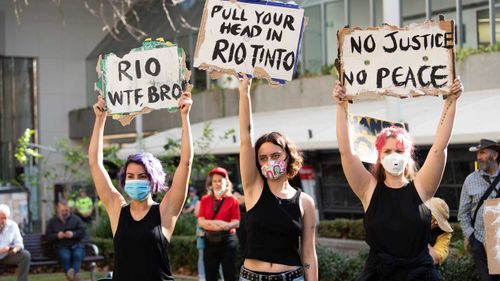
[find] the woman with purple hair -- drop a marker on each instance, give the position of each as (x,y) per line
(142,228)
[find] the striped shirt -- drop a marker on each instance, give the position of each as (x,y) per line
(473,189)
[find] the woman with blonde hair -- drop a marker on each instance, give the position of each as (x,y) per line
(219,216)
(441,230)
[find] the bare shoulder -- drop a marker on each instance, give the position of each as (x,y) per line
(306,202)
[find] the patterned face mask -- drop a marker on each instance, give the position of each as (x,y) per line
(273,169)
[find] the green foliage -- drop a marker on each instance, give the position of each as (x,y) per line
(457,232)
(23,151)
(204,160)
(110,154)
(333,266)
(185,225)
(462,53)
(342,228)
(106,249)
(183,254)
(459,268)
(102,229)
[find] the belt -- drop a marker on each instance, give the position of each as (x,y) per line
(284,276)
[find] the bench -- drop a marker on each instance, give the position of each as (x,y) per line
(43,253)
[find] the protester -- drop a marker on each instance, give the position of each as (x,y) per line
(66,231)
(480,185)
(441,230)
(279,217)
(396,221)
(11,245)
(219,216)
(142,228)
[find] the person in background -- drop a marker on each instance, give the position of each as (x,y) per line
(191,201)
(11,245)
(65,231)
(84,206)
(219,217)
(441,230)
(482,184)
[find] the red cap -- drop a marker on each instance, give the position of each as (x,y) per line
(218,170)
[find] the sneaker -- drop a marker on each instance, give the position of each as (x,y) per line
(70,274)
(77,277)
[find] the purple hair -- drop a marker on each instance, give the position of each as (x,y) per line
(153,169)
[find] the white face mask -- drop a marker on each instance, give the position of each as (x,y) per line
(219,193)
(395,163)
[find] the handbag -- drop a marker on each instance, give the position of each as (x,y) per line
(215,237)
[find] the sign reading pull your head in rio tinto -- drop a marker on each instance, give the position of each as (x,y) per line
(260,38)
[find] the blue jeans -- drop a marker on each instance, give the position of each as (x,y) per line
(71,257)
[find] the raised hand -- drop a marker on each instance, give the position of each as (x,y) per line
(456,89)
(245,83)
(185,103)
(338,94)
(100,109)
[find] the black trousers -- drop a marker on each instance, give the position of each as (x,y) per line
(223,253)
(480,259)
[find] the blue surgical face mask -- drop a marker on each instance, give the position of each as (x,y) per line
(137,189)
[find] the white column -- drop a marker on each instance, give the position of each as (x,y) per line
(138,131)
(392,15)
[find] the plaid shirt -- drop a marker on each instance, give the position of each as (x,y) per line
(473,189)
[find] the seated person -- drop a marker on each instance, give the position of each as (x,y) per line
(440,230)
(11,245)
(66,232)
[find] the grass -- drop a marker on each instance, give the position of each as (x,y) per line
(60,277)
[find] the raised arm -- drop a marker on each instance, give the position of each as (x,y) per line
(428,178)
(360,180)
(249,174)
(171,205)
(110,197)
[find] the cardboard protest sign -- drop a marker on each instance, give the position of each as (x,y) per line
(254,37)
(403,62)
(363,131)
(492,234)
(148,78)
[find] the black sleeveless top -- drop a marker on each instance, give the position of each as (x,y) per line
(397,222)
(141,249)
(273,227)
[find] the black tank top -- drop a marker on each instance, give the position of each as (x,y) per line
(273,227)
(141,249)
(397,222)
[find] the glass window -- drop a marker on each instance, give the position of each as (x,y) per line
(335,20)
(312,44)
(483,27)
(17,109)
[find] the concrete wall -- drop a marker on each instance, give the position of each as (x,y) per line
(60,51)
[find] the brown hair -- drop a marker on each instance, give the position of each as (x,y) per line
(294,156)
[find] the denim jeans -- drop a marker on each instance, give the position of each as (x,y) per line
(71,257)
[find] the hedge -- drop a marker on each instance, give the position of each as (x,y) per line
(354,229)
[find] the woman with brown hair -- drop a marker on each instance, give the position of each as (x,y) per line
(280,220)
